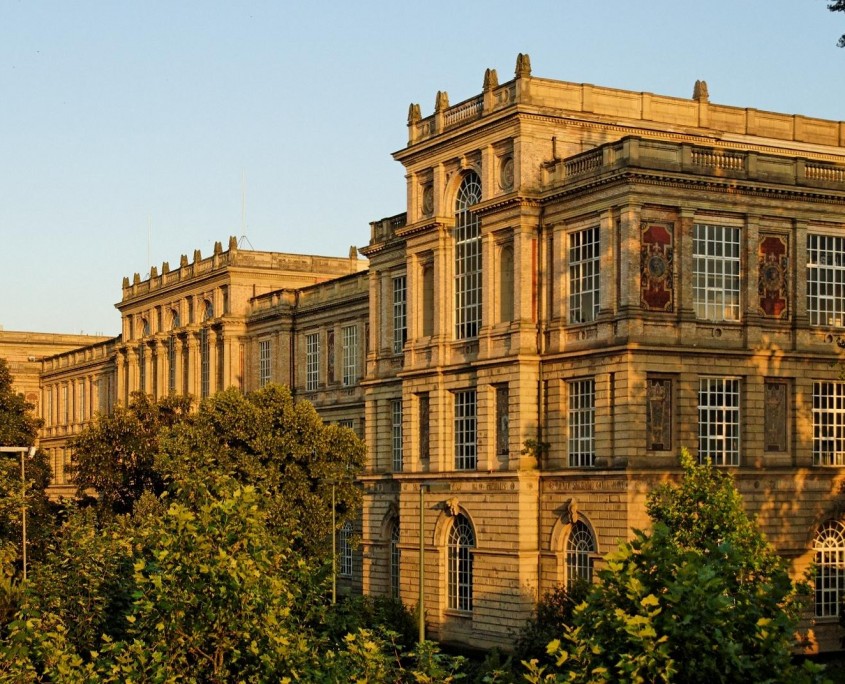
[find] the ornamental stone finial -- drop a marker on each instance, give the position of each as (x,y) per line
(491,79)
(523,65)
(441,102)
(183,261)
(233,243)
(413,114)
(700,92)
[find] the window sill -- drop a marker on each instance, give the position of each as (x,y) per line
(458,614)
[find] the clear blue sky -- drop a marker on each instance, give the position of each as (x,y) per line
(126,127)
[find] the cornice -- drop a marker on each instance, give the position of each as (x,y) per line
(422,226)
(723,185)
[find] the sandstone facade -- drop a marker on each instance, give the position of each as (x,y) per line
(584,281)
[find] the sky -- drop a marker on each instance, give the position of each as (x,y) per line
(134,132)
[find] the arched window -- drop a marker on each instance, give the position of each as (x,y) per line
(580,547)
(461,544)
(394,559)
(344,550)
(829,546)
(467,259)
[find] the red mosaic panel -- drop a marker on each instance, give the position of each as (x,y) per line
(773,276)
(657,290)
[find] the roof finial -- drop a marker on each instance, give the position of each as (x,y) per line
(700,93)
(523,65)
(491,79)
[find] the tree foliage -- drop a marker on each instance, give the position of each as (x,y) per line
(19,428)
(838,6)
(281,447)
(210,581)
(702,597)
(115,455)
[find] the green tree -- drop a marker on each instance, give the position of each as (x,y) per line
(838,6)
(115,456)
(19,428)
(281,447)
(702,597)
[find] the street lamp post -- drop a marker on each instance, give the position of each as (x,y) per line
(334,546)
(422,564)
(23,451)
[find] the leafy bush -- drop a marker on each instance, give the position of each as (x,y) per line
(554,615)
(380,614)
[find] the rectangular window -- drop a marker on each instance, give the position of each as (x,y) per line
(584,275)
(396,433)
(171,364)
(263,362)
(224,296)
(428,300)
(400,314)
(826,280)
(718,421)
(502,421)
(80,406)
(715,272)
(465,430)
(347,423)
(425,410)
(312,361)
(205,363)
(344,550)
(582,423)
(142,369)
(350,355)
(65,405)
(829,423)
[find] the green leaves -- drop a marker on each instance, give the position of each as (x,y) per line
(701,597)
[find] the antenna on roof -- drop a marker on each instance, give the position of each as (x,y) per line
(149,243)
(243,202)
(244,238)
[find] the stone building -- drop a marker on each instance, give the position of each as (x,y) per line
(584,281)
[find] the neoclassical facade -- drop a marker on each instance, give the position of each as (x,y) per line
(584,281)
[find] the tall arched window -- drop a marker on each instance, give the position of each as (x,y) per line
(580,547)
(829,546)
(461,544)
(394,559)
(467,259)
